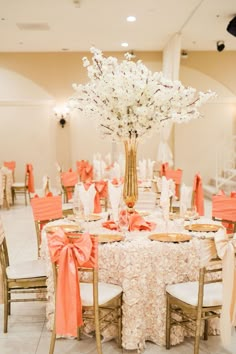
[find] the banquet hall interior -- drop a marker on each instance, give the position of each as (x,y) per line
(44,138)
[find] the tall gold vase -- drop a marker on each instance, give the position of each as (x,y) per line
(130,189)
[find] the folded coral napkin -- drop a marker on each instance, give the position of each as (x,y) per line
(111,225)
(136,223)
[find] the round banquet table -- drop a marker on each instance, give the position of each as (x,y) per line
(143,268)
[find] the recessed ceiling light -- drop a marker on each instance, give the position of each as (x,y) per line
(124,44)
(131,18)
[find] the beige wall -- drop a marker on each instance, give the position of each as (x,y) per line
(32,83)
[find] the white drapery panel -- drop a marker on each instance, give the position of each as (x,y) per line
(171,63)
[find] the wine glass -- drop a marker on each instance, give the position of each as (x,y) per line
(190,214)
(124,221)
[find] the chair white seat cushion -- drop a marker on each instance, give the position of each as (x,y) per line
(18,185)
(29,269)
(106,292)
(188,293)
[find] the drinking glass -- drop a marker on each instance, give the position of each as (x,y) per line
(190,214)
(124,221)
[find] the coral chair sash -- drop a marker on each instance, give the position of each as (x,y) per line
(198,194)
(101,192)
(47,208)
(69,254)
(29,170)
(164,168)
(85,171)
(225,249)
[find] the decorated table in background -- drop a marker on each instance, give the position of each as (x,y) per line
(142,268)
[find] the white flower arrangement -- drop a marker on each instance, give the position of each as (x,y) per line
(127,99)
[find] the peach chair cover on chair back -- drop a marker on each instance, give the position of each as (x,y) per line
(10,164)
(224,207)
(47,208)
(198,198)
(176,176)
(29,171)
(69,179)
(69,254)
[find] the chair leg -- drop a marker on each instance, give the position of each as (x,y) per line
(205,335)
(79,333)
(97,331)
(197,334)
(168,314)
(25,197)
(6,308)
(52,342)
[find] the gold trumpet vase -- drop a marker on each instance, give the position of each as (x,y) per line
(130,189)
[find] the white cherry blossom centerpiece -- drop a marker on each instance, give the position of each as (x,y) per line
(129,102)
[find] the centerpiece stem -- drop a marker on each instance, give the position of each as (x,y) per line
(130,189)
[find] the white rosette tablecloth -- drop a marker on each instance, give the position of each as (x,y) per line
(143,268)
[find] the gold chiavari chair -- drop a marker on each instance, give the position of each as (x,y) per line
(191,303)
(22,278)
(101,302)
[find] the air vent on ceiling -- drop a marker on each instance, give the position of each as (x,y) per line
(35,26)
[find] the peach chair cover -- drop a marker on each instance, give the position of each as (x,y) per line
(85,170)
(47,208)
(70,254)
(176,176)
(11,165)
(29,170)
(224,207)
(69,179)
(198,200)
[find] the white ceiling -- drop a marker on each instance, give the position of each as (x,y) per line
(102,23)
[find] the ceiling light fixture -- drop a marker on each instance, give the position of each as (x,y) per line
(131,19)
(124,44)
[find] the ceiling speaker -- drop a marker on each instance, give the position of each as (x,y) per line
(231,28)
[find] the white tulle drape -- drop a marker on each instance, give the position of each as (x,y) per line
(171,63)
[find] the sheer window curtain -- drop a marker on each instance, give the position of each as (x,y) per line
(171,63)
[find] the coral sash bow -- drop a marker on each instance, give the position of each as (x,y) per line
(69,254)
(226,251)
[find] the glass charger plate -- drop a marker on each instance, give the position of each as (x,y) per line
(104,238)
(170,237)
(66,228)
(203,227)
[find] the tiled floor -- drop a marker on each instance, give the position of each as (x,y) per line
(27,329)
